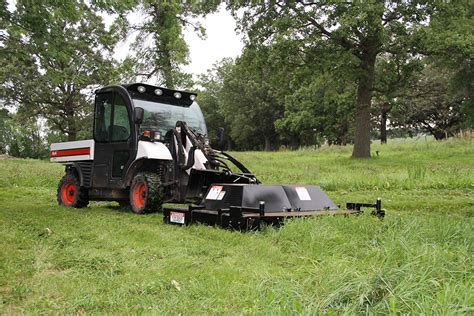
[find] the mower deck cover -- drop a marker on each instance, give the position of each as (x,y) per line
(247,206)
(276,198)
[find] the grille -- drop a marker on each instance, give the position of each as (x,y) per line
(86,168)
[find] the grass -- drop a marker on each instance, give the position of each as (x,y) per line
(103,259)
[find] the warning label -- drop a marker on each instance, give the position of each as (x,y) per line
(214,193)
(303,194)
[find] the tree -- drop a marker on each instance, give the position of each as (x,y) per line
(5,131)
(251,101)
(54,52)
(394,75)
(25,139)
(210,100)
(449,45)
(319,110)
(160,48)
(363,30)
(428,105)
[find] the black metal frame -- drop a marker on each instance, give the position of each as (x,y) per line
(378,211)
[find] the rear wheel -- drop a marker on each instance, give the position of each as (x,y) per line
(70,192)
(146,194)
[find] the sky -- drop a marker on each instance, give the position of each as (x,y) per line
(222,41)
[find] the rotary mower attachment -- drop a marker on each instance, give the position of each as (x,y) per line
(248,206)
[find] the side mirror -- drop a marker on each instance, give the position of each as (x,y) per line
(138,114)
(220,134)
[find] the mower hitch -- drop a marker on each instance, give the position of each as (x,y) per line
(378,211)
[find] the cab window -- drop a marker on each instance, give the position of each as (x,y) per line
(103,111)
(120,130)
(112,123)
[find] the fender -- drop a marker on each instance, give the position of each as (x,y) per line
(142,164)
(149,156)
(155,150)
(83,169)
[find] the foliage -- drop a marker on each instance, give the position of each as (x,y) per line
(21,138)
(429,106)
(159,45)
(26,140)
(250,100)
(210,100)
(103,259)
(55,51)
(319,109)
(362,30)
(450,45)
(4,131)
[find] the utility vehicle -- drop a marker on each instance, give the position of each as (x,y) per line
(150,147)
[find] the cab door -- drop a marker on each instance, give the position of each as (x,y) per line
(113,135)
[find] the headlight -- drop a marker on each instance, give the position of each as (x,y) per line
(157,135)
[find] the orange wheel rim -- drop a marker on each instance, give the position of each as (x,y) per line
(139,194)
(68,193)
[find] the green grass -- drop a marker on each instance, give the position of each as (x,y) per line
(104,259)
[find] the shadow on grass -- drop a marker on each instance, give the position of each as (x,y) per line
(113,206)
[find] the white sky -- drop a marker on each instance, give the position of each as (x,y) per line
(222,41)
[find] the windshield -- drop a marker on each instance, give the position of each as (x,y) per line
(163,117)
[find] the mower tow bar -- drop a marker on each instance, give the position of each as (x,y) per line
(378,211)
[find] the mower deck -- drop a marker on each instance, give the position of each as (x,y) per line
(248,206)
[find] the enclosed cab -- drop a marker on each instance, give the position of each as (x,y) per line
(149,146)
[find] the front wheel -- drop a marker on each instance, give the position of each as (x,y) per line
(70,192)
(146,193)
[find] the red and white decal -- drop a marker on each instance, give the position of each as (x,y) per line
(214,192)
(70,152)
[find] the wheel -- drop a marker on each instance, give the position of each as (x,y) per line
(146,194)
(70,192)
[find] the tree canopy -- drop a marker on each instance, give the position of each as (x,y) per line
(52,52)
(310,72)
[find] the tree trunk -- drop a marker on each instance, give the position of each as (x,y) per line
(268,144)
(71,135)
(168,70)
(163,45)
(383,125)
(71,123)
(364,100)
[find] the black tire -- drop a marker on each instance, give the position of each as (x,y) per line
(146,193)
(70,193)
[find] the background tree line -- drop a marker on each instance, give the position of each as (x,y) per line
(310,72)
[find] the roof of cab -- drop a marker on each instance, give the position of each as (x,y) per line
(147,92)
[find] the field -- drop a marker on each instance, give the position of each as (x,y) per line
(103,259)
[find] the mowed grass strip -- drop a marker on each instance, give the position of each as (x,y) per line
(105,259)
